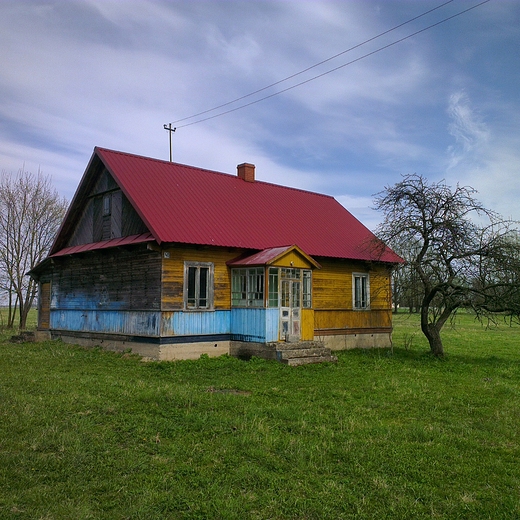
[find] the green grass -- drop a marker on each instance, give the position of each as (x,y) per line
(32,320)
(88,434)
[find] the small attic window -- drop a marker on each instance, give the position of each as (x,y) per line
(107,199)
(108,216)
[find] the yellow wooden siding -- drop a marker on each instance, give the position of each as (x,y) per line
(380,289)
(173,274)
(332,296)
(331,291)
(349,319)
(292,259)
(307,324)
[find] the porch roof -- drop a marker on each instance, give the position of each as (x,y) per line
(269,256)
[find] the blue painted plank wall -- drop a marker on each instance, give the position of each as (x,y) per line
(195,323)
(259,325)
(141,323)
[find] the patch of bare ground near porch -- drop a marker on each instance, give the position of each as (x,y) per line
(24,336)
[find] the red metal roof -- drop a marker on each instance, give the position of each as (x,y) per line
(184,204)
(267,257)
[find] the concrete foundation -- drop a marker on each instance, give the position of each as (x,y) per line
(193,350)
(153,349)
(350,341)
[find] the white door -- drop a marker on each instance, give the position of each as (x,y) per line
(290,311)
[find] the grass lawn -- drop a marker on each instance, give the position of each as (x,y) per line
(88,434)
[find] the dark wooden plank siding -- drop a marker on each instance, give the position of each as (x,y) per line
(83,233)
(116,214)
(97,221)
(108,280)
(93,227)
(131,221)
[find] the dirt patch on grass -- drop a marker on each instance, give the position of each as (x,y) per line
(233,391)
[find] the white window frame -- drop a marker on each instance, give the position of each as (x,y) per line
(245,285)
(360,303)
(196,305)
(307,289)
(273,298)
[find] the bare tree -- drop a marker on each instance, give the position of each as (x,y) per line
(31,212)
(407,292)
(462,254)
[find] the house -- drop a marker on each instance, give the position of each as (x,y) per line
(173,262)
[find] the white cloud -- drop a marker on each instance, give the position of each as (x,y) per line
(101,72)
(362,209)
(469,131)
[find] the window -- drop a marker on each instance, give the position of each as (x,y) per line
(307,290)
(291,273)
(247,287)
(273,287)
(360,290)
(107,203)
(107,216)
(198,285)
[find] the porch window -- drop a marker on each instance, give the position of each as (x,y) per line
(198,285)
(247,287)
(273,287)
(360,290)
(307,289)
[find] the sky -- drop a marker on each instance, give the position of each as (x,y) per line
(443,103)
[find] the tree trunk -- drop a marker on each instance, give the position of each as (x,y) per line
(432,331)
(12,309)
(23,319)
(435,341)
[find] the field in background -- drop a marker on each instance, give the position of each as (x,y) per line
(392,434)
(32,319)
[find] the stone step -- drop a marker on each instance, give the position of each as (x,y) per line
(300,345)
(294,362)
(297,353)
(301,352)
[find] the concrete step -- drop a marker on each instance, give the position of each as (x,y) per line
(308,352)
(300,345)
(294,362)
(301,352)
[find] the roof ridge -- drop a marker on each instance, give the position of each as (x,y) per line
(197,168)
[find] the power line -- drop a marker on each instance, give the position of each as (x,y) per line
(312,66)
(325,61)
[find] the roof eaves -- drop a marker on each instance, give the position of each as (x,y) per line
(105,244)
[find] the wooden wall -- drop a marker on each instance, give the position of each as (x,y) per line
(115,279)
(173,274)
(292,259)
(332,296)
(144,282)
(123,221)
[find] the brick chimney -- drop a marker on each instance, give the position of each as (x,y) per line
(246,172)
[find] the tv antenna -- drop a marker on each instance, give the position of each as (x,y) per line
(170,132)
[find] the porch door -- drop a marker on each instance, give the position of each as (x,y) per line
(290,310)
(45,306)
